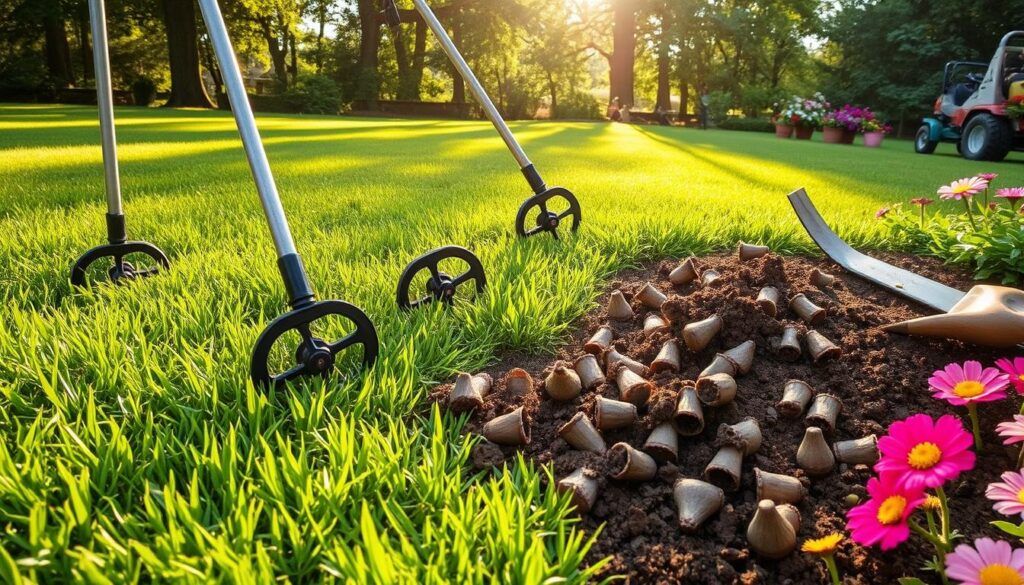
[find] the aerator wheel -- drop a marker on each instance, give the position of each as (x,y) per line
(313,356)
(440,287)
(546,220)
(120,269)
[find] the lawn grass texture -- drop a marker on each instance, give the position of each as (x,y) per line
(133,447)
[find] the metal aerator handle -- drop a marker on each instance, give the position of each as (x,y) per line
(547,221)
(440,287)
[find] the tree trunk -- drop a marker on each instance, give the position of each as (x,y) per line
(419,56)
(321,16)
(623,51)
(684,97)
(367,80)
(58,52)
(294,67)
(278,51)
(458,83)
(187,89)
(664,97)
(407,88)
(84,48)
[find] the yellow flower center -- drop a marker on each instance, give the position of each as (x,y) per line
(962,188)
(1021,377)
(891,510)
(932,503)
(1020,496)
(924,456)
(998,574)
(968,389)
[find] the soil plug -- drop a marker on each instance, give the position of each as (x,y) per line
(709,277)
(508,429)
(519,382)
(769,534)
(582,483)
(717,389)
(651,297)
(822,279)
(613,414)
(857,451)
(689,418)
(582,435)
(469,391)
(563,383)
(614,357)
(742,355)
(589,371)
(618,308)
(668,358)
(806,310)
(744,435)
(600,341)
(789,347)
(824,412)
(725,468)
(814,455)
(784,489)
(654,323)
(663,443)
(820,348)
(685,273)
(633,388)
(796,395)
(768,300)
(698,334)
(638,466)
(720,365)
(696,501)
(750,251)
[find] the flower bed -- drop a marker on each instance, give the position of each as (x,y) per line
(879,379)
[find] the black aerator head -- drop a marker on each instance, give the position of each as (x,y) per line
(119,247)
(440,287)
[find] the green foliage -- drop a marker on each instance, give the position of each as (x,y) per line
(314,94)
(719,104)
(747,124)
(143,91)
(578,105)
(756,99)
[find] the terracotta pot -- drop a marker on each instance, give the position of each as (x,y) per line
(873,139)
(783,131)
(804,132)
(848,137)
(832,135)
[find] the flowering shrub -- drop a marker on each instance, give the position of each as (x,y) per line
(874,125)
(988,236)
(1015,107)
(849,118)
(803,112)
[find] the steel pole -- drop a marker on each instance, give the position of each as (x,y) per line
(474,83)
(246,123)
(105,104)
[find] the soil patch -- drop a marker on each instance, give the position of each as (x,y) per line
(879,378)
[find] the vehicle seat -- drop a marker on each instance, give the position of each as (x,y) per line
(961,92)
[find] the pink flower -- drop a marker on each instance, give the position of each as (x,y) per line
(882,520)
(988,562)
(960,385)
(1008,494)
(1012,431)
(1012,193)
(925,453)
(961,188)
(987,177)
(882,212)
(922,201)
(1014,371)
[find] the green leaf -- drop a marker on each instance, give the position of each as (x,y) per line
(9,569)
(1010,528)
(911,581)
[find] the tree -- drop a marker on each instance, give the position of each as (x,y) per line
(187,90)
(623,51)
(58,52)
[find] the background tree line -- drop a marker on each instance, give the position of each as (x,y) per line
(568,56)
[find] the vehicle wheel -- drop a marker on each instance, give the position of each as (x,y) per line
(922,144)
(986,137)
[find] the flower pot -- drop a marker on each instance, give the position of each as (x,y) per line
(832,135)
(783,131)
(848,137)
(804,132)
(873,139)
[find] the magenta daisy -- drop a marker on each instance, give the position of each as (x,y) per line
(882,212)
(987,177)
(960,385)
(1008,494)
(922,201)
(882,520)
(1012,431)
(1012,195)
(962,188)
(925,453)
(1014,370)
(988,562)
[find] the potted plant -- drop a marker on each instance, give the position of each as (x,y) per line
(874,131)
(783,126)
(832,128)
(804,115)
(1015,110)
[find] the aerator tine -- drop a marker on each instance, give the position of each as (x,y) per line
(119,246)
(313,356)
(536,214)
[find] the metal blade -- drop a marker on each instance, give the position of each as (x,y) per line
(902,282)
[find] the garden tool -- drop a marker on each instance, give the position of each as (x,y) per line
(985,315)
(314,355)
(119,246)
(544,198)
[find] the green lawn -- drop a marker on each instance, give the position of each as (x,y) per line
(132,446)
